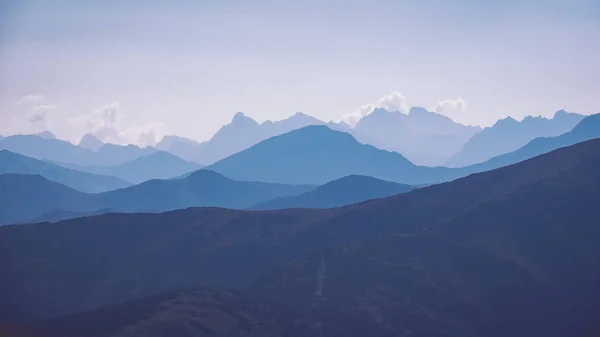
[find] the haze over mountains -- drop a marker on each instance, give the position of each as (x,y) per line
(525,234)
(344,191)
(508,135)
(319,233)
(203,188)
(82,181)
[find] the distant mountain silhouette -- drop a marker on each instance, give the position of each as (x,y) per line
(184,148)
(588,128)
(525,234)
(157,165)
(81,181)
(424,137)
(59,215)
(64,152)
(317,154)
(202,188)
(29,196)
(90,142)
(244,132)
(46,135)
(344,191)
(508,135)
(190,313)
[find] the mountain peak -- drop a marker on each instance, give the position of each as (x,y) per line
(506,121)
(241,118)
(417,110)
(46,135)
(90,142)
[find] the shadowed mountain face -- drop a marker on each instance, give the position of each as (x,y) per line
(424,137)
(588,128)
(317,155)
(523,234)
(64,152)
(508,135)
(203,188)
(193,313)
(341,192)
(23,197)
(157,165)
(81,181)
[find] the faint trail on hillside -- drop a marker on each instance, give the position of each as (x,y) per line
(320,285)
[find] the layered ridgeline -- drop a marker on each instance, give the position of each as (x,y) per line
(318,154)
(508,135)
(32,197)
(43,148)
(588,128)
(86,182)
(509,252)
(344,191)
(157,165)
(424,137)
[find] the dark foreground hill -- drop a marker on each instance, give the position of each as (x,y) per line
(340,192)
(190,313)
(82,181)
(509,252)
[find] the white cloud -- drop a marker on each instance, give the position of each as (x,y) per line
(107,124)
(453,108)
(28,99)
(40,113)
(394,101)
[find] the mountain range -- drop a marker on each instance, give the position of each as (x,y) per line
(526,234)
(424,137)
(341,192)
(61,151)
(53,201)
(81,181)
(508,135)
(317,154)
(156,165)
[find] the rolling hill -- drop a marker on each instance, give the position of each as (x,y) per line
(190,313)
(81,181)
(24,197)
(201,188)
(32,197)
(526,227)
(341,192)
(157,165)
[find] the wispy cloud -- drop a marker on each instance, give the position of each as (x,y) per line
(28,99)
(106,124)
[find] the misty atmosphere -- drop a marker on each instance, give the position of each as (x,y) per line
(305,169)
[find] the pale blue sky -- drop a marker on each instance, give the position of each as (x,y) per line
(185,67)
